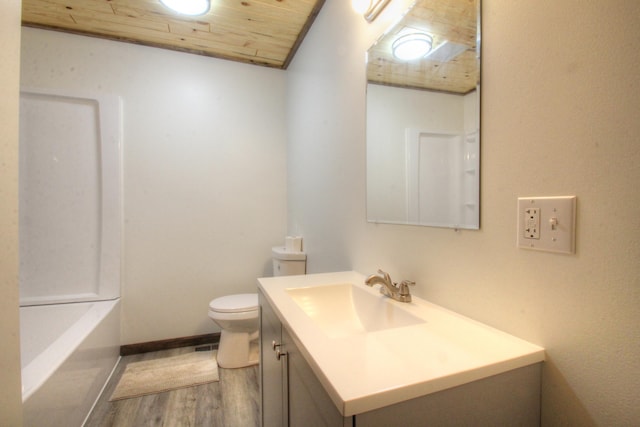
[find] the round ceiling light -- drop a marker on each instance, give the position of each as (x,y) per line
(188,7)
(412,46)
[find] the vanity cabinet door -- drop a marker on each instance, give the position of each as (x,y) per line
(309,403)
(273,383)
(291,395)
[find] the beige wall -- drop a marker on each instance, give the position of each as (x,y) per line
(560,102)
(10,395)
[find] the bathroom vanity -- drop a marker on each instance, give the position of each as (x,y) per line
(335,352)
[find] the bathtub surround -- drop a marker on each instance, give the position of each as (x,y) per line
(70,196)
(70,220)
(435,182)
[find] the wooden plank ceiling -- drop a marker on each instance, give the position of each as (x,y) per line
(445,20)
(262,32)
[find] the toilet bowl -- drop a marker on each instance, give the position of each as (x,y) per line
(237,316)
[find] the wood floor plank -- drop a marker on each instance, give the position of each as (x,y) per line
(240,398)
(180,408)
(151,410)
(124,413)
(232,401)
(209,410)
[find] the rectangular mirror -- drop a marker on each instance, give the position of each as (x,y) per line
(423,118)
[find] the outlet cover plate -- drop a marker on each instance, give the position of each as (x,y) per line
(557,218)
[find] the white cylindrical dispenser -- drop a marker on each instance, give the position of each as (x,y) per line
(288,263)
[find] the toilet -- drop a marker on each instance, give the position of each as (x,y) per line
(237,315)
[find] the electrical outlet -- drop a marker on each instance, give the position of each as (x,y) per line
(531,223)
(547,223)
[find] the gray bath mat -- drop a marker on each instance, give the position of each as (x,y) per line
(169,373)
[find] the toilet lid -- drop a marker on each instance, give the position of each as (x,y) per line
(235,303)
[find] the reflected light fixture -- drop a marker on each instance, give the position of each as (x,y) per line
(188,7)
(412,46)
(370,9)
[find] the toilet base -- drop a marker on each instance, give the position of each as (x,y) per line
(237,350)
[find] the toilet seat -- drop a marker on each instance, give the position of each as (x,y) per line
(239,303)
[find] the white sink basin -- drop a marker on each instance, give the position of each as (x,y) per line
(369,351)
(344,309)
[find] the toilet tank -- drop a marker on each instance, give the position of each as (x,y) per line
(287,263)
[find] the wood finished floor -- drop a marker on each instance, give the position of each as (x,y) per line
(231,402)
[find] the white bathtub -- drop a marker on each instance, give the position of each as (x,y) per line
(68,352)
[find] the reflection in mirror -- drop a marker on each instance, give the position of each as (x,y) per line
(423,118)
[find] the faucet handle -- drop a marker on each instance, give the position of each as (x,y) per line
(404,286)
(385,275)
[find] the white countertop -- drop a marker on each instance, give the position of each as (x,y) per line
(366,371)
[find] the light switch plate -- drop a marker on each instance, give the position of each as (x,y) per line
(555,218)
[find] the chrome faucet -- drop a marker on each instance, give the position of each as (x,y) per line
(392,290)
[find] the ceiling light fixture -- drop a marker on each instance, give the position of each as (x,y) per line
(370,9)
(412,46)
(188,7)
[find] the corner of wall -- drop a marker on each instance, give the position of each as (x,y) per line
(10,395)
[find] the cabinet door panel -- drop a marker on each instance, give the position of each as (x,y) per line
(272,386)
(309,403)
